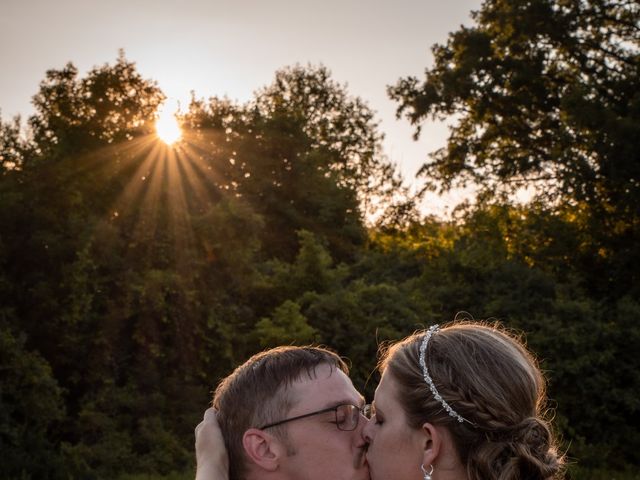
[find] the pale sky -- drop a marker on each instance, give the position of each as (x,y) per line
(232,48)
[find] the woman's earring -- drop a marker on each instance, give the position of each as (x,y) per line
(427,475)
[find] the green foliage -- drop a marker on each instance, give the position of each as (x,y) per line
(311,271)
(601,474)
(288,326)
(344,128)
(111,104)
(142,275)
(31,406)
(354,319)
(546,96)
(546,90)
(270,163)
(186,475)
(133,277)
(11,148)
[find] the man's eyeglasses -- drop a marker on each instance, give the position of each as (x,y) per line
(347,416)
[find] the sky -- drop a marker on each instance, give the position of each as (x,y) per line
(234,47)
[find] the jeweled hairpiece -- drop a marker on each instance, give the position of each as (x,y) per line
(425,373)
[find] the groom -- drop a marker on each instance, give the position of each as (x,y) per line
(286,414)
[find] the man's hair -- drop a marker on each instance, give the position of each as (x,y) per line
(258,392)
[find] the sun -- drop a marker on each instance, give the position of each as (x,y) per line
(167,127)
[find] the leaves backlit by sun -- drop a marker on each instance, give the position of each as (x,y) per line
(167,127)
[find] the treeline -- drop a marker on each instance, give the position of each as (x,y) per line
(133,276)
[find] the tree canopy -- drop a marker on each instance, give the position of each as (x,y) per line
(547,96)
(546,91)
(135,275)
(123,258)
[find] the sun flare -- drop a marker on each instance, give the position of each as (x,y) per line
(167,127)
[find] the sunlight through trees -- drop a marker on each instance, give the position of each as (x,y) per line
(134,274)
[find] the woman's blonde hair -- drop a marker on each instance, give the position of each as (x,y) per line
(491,380)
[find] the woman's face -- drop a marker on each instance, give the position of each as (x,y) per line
(395,450)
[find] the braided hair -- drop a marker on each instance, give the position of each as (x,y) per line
(488,377)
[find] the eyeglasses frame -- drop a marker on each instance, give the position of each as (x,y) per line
(365,411)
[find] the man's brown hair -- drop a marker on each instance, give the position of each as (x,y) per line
(258,392)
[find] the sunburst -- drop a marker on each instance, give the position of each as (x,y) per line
(167,126)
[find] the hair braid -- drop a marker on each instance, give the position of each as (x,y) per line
(489,378)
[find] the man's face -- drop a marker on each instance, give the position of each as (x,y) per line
(319,449)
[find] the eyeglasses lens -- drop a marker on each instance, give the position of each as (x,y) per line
(347,417)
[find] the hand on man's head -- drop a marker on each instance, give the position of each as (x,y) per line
(211,454)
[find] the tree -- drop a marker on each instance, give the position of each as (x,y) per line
(287,326)
(11,146)
(111,104)
(546,90)
(94,285)
(142,274)
(303,137)
(133,276)
(547,94)
(30,406)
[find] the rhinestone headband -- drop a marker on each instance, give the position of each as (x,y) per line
(425,373)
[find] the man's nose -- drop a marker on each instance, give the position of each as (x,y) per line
(366,431)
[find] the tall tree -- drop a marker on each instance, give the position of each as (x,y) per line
(84,274)
(138,272)
(306,155)
(110,104)
(344,127)
(546,90)
(546,94)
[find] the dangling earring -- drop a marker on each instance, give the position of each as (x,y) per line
(427,475)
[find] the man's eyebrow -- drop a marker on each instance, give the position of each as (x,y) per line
(359,403)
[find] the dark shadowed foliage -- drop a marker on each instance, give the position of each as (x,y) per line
(134,275)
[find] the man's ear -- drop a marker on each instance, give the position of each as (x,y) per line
(431,441)
(263,449)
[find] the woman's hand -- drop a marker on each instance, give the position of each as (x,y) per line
(211,454)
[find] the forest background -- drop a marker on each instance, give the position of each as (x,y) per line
(134,275)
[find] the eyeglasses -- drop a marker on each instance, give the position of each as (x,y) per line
(347,416)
